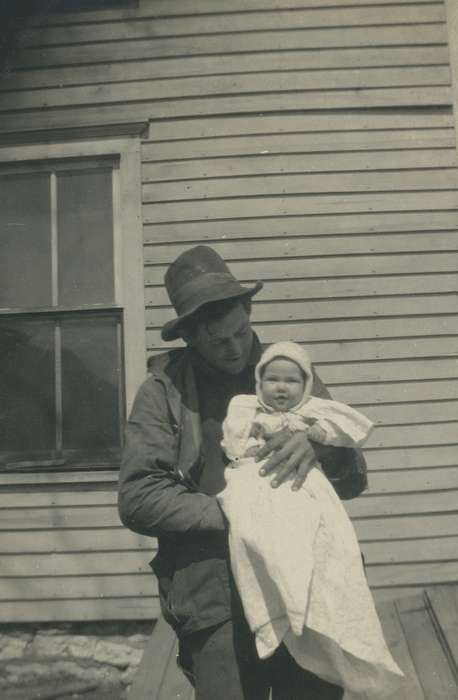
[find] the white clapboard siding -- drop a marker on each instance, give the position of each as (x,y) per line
(200,177)
(313,144)
(321,309)
(328,289)
(323,224)
(238,22)
(111,539)
(144,607)
(151,69)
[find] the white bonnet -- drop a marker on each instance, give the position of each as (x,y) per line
(293,352)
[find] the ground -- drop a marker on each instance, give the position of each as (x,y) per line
(36,692)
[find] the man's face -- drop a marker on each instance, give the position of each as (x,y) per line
(225,343)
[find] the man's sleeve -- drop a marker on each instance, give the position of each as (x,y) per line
(151,499)
(345,467)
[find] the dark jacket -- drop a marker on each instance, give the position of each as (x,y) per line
(159,494)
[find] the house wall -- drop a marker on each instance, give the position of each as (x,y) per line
(314,147)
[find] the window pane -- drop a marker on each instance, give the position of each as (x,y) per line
(85,237)
(25,235)
(27,413)
(91,375)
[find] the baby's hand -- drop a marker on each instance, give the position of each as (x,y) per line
(256,431)
(252,451)
(317,433)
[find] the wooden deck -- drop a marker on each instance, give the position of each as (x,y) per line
(422,633)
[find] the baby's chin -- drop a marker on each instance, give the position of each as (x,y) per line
(284,405)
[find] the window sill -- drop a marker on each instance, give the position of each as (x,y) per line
(70,461)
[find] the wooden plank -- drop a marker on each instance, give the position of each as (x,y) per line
(89,540)
(452,31)
(69,517)
(335,288)
(166,88)
(414,35)
(413,480)
(50,122)
(76,564)
(150,68)
(57,499)
(324,224)
(363,98)
(392,593)
(197,7)
(130,268)
(258,164)
(405,551)
(423,434)
(329,266)
(301,183)
(320,310)
(394,635)
(413,574)
(442,602)
(266,124)
(388,371)
(399,528)
(412,457)
(158,675)
(77,587)
(412,413)
(133,608)
(403,504)
(428,656)
(79,478)
(313,18)
(292,143)
(274,185)
(285,206)
(225,97)
(101,115)
(396,392)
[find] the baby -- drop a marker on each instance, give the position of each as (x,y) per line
(294,554)
(284,381)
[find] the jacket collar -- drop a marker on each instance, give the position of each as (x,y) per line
(175,371)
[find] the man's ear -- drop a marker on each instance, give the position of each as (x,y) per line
(186,337)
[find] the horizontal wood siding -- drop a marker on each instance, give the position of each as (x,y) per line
(314,147)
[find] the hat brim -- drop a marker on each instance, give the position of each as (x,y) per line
(172,329)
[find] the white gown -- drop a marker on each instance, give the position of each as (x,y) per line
(298,569)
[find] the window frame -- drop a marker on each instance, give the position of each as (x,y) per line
(127,245)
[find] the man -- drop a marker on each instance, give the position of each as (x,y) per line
(173,466)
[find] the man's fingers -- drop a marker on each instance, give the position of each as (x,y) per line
(302,471)
(272,444)
(288,468)
(278,457)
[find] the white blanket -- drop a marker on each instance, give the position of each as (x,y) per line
(297,565)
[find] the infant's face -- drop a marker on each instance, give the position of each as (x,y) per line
(282,384)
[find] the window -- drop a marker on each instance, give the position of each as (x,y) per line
(67,247)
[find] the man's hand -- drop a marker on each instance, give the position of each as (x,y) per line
(292,453)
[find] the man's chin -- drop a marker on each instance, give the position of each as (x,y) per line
(234,367)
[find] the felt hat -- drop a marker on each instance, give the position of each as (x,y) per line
(199,276)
